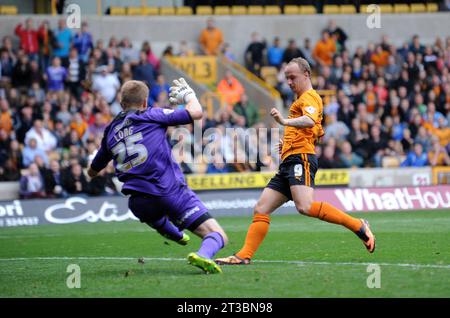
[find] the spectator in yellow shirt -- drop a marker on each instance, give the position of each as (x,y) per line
(438,156)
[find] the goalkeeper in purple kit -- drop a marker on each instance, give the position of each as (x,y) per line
(136,141)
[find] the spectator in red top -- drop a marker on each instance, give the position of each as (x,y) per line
(28,38)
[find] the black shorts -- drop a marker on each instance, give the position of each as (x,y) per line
(299,169)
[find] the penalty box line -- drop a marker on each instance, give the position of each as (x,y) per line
(168,259)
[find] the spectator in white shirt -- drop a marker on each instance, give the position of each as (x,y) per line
(44,138)
(106,84)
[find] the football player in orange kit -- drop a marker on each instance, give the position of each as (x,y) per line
(295,178)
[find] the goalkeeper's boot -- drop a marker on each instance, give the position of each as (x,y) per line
(366,235)
(233,260)
(184,240)
(206,264)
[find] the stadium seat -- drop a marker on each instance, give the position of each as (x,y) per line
(432,7)
(118,11)
(255,10)
(401,8)
(183,10)
(167,11)
(418,7)
(204,10)
(289,10)
(8,10)
(135,11)
(273,10)
(390,162)
(347,9)
(238,10)
(386,8)
(308,10)
(331,9)
(151,10)
(222,10)
(269,75)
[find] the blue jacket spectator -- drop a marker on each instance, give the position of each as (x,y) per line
(82,41)
(144,71)
(275,53)
(157,88)
(56,75)
(63,37)
(416,158)
(30,151)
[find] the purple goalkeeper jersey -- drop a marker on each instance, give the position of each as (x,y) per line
(137,142)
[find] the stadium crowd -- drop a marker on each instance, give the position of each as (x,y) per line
(390,105)
(60,88)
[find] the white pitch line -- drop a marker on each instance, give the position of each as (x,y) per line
(258,261)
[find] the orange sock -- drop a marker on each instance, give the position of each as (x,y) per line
(329,213)
(255,235)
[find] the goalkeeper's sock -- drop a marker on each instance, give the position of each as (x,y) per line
(164,227)
(255,235)
(331,214)
(211,244)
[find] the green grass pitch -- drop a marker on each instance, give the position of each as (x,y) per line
(301,257)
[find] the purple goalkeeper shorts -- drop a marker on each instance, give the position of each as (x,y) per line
(183,208)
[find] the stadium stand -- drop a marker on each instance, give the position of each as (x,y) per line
(8,10)
(238,10)
(290,9)
(381,98)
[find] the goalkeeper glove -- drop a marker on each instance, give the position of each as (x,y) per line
(181,92)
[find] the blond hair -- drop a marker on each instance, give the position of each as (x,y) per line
(133,93)
(302,64)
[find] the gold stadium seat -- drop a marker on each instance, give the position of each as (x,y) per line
(401,8)
(8,10)
(390,162)
(222,10)
(347,9)
(331,9)
(204,10)
(308,10)
(255,10)
(432,7)
(135,10)
(269,75)
(384,8)
(418,7)
(183,10)
(238,10)
(151,10)
(167,11)
(118,11)
(289,9)
(274,10)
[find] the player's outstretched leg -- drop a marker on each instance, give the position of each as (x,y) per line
(327,212)
(164,227)
(214,239)
(303,199)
